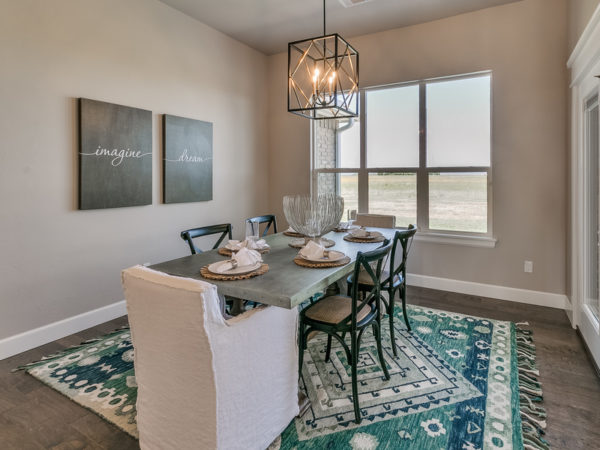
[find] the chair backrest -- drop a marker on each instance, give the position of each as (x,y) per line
(188,362)
(189,235)
(404,237)
(376,220)
(269,219)
(372,263)
(166,316)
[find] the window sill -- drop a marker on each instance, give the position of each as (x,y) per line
(456,239)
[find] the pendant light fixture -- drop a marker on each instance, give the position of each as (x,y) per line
(323,77)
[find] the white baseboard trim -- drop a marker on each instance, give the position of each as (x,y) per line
(39,336)
(27,340)
(489,290)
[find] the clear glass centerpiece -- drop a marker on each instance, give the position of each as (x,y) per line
(313,216)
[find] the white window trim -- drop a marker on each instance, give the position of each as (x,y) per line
(426,234)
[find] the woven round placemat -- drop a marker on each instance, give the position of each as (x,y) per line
(244,276)
(293,234)
(226,252)
(328,243)
(321,265)
(362,240)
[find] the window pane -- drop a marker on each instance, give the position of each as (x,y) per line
(458,201)
(393,127)
(348,188)
(394,193)
(349,144)
(458,123)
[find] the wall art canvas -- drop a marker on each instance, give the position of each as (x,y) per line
(115,155)
(188,158)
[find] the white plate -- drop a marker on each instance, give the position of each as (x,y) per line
(236,249)
(215,268)
(348,228)
(373,235)
(333,256)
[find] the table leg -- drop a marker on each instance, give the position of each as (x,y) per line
(333,289)
(237,307)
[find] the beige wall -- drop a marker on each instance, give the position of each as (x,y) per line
(580,12)
(56,261)
(525,45)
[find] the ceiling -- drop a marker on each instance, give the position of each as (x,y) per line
(268,25)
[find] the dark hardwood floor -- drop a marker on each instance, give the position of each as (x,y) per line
(33,416)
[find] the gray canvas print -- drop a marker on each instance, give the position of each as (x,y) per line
(187,161)
(115,155)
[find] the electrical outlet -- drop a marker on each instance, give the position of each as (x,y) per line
(528,267)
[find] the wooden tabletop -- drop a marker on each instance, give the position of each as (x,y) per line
(285,284)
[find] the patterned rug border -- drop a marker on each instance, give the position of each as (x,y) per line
(532,411)
(68,351)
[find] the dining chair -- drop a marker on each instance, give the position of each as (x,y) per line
(190,363)
(338,315)
(269,219)
(393,279)
(189,235)
(375,220)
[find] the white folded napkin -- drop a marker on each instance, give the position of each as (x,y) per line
(256,245)
(362,233)
(235,245)
(244,257)
(291,230)
(312,250)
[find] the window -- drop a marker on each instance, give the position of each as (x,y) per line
(420,151)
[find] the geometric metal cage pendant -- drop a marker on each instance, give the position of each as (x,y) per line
(323,78)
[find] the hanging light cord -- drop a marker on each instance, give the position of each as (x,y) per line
(324,28)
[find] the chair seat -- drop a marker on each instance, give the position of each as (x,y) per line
(333,310)
(365,278)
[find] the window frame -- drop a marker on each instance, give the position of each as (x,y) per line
(422,171)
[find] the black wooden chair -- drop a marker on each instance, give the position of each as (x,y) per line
(269,219)
(392,279)
(189,235)
(338,315)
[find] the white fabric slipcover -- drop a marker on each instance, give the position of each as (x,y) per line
(204,382)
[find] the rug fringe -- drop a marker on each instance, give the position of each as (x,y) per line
(68,350)
(533,416)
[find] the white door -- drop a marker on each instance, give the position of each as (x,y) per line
(590,307)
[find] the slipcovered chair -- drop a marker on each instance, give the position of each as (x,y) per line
(205,382)
(375,220)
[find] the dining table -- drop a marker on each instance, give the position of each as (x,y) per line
(286,284)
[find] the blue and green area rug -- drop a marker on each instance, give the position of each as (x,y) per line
(459,382)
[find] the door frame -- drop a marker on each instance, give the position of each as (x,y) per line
(585,67)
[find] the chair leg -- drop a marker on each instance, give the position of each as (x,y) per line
(377,333)
(403,296)
(354,345)
(328,351)
(392,294)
